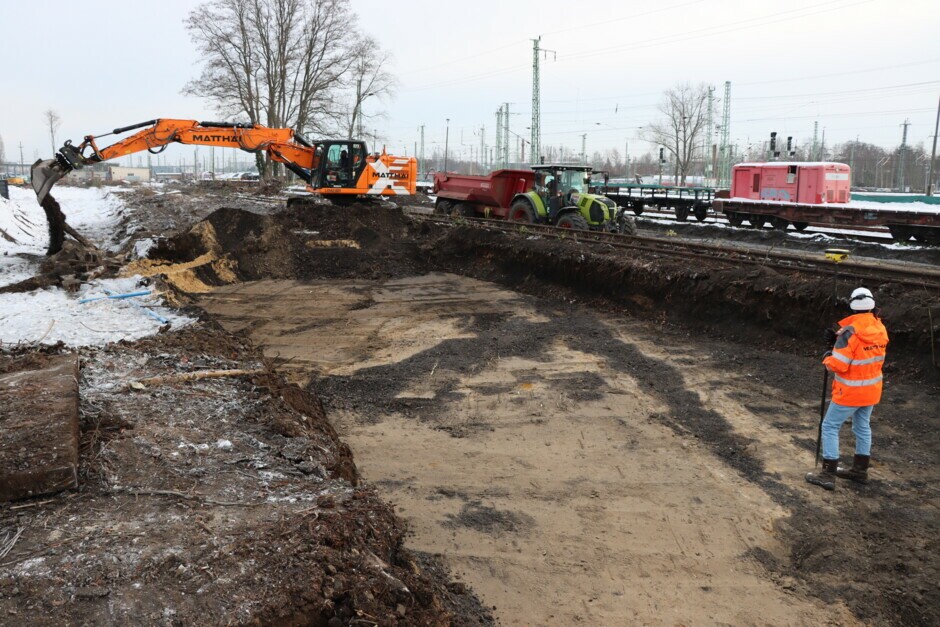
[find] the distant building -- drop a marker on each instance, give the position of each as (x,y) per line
(130,175)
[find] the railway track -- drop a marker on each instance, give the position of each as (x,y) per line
(911,274)
(869,234)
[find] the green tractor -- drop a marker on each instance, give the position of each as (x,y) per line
(562,197)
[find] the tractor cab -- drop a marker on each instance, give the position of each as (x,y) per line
(562,185)
(338,163)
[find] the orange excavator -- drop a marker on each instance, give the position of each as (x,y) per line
(339,169)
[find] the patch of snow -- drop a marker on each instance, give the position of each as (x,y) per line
(93,212)
(224,444)
(53,315)
(142,247)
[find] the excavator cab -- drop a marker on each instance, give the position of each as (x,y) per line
(340,164)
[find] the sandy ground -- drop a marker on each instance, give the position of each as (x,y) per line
(521,448)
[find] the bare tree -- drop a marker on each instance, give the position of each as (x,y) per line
(280,63)
(683,110)
(368,77)
(52,120)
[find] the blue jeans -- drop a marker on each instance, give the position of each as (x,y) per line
(836,415)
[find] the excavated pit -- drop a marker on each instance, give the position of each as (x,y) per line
(851,548)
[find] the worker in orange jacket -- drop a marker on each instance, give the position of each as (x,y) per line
(856,360)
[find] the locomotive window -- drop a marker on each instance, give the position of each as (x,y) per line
(756,186)
(791,174)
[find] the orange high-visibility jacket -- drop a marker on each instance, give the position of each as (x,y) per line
(857,359)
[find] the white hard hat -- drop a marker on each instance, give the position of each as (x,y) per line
(862,300)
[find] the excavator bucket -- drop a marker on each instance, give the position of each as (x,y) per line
(44,175)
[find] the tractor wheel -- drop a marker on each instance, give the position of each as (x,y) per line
(700,211)
(734,218)
(573,221)
(626,224)
(756,220)
(779,223)
(521,211)
(443,207)
(800,226)
(638,208)
(682,213)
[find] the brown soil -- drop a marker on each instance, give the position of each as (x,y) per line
(225,498)
(754,324)
(542,430)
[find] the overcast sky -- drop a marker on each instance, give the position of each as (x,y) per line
(859,67)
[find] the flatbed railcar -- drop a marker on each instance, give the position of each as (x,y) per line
(684,201)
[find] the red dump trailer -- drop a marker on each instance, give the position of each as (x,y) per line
(471,195)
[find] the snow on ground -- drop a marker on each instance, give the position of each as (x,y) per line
(52,315)
(24,235)
(868,205)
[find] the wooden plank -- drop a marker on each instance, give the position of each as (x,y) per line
(39,429)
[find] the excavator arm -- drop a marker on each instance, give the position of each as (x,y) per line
(281,144)
(338,168)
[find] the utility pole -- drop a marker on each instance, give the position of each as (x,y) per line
(814,155)
(482,154)
(506,135)
(499,138)
(446,143)
(536,142)
(21,169)
(724,169)
(933,153)
(708,133)
(584,149)
(901,154)
(822,147)
(421,161)
(852,154)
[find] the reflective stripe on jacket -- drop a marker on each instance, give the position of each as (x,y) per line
(857,359)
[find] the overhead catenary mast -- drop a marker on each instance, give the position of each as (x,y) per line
(724,168)
(499,137)
(535,145)
(901,155)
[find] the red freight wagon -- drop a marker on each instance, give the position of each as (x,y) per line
(811,183)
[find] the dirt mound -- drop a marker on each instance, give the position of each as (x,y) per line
(308,241)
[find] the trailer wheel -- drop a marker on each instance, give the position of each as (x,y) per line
(443,206)
(700,210)
(779,223)
(573,221)
(682,213)
(465,209)
(899,233)
(800,226)
(521,211)
(756,220)
(734,218)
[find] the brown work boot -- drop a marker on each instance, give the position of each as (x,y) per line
(858,472)
(826,478)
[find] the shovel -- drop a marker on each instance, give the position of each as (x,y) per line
(822,410)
